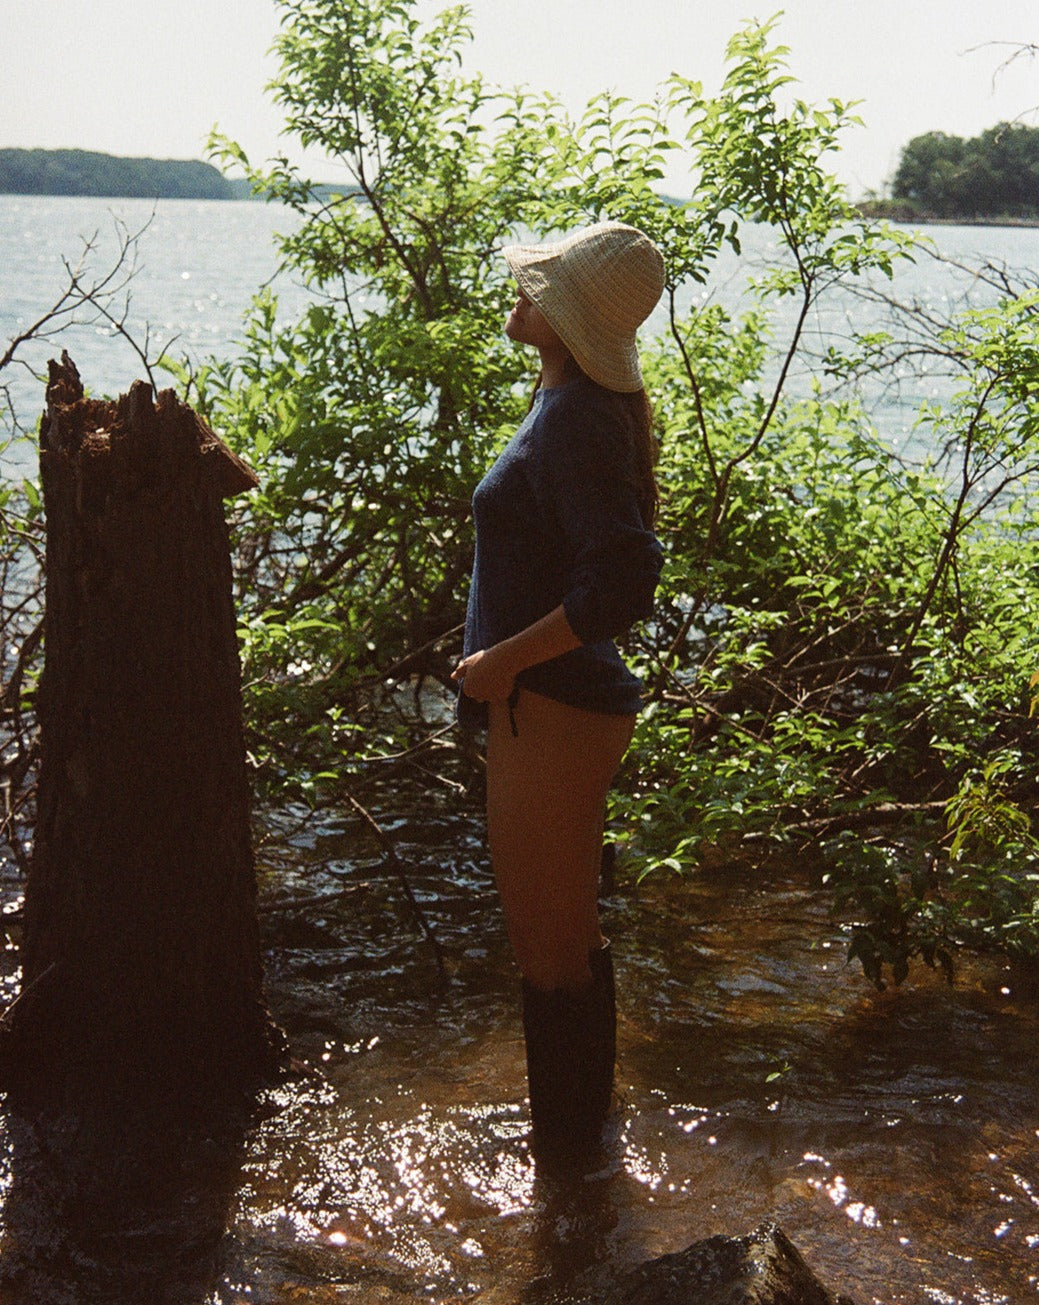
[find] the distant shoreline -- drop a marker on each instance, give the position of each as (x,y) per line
(75,173)
(89,173)
(895,210)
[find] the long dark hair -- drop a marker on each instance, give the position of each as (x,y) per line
(638,417)
(646,447)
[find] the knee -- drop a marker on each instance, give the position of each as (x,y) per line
(548,960)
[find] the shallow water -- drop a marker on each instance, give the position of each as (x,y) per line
(898,1146)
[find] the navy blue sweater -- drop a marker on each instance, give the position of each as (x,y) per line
(557,521)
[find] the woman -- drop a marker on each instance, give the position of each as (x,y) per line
(565,562)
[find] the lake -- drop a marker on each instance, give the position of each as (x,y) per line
(893,1135)
(200,262)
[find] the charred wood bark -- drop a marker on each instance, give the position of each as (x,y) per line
(141,951)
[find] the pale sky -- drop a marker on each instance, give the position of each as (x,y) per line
(150,77)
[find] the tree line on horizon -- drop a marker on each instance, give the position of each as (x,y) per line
(75,172)
(992,175)
(90,173)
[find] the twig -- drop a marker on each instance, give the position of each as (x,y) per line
(408,753)
(883,814)
(4,1025)
(398,869)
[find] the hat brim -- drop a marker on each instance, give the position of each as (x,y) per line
(609,356)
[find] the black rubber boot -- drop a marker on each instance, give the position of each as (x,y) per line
(571,1043)
(601,962)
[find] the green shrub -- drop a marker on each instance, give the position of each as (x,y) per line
(844,636)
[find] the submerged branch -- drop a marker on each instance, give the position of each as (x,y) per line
(397,866)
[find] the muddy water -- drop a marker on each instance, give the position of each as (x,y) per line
(895,1137)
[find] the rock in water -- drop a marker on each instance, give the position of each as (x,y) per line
(764,1268)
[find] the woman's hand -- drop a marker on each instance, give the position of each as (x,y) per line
(487,675)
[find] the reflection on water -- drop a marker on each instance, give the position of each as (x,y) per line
(893,1136)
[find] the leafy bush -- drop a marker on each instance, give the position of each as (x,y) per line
(845,636)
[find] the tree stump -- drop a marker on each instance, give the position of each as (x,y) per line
(141,952)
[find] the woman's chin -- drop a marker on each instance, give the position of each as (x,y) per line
(514,329)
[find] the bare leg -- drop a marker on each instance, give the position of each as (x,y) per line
(546,803)
(546,799)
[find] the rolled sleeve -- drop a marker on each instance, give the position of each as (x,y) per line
(614,581)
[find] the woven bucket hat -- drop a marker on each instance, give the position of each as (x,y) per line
(595,287)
